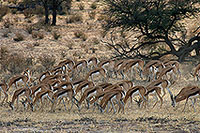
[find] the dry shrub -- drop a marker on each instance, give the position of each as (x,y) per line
(15,63)
(92,14)
(74,18)
(95,41)
(28,12)
(3,11)
(18,37)
(70,45)
(55,35)
(47,61)
(39,10)
(93,5)
(7,23)
(102,17)
(29,29)
(5,33)
(80,34)
(37,34)
(81,6)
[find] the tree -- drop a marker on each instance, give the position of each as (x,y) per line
(55,6)
(156,23)
(49,5)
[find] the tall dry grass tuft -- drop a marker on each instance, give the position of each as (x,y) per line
(14,63)
(18,37)
(74,18)
(56,35)
(81,35)
(47,61)
(3,11)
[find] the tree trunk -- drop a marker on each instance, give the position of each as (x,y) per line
(54,12)
(46,15)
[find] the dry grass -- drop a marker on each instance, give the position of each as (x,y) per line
(165,119)
(77,44)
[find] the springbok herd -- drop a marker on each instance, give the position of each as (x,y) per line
(59,85)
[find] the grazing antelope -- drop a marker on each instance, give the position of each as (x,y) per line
(4,88)
(81,65)
(38,88)
(108,66)
(95,71)
(82,86)
(68,63)
(117,64)
(162,83)
(44,93)
(59,94)
(60,69)
(196,72)
(63,85)
(151,69)
(188,92)
(138,63)
(166,72)
(122,67)
(134,91)
(175,64)
(155,90)
(111,96)
(19,93)
(19,78)
(93,61)
(106,88)
(89,94)
(44,75)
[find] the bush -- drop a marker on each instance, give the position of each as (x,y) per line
(93,5)
(38,35)
(74,18)
(92,14)
(7,23)
(5,33)
(28,13)
(81,6)
(47,61)
(3,11)
(29,29)
(16,63)
(18,37)
(39,10)
(55,35)
(80,34)
(95,41)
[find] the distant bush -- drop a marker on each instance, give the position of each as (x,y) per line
(47,61)
(18,37)
(93,5)
(95,41)
(81,6)
(15,63)
(92,14)
(56,35)
(28,12)
(39,10)
(74,18)
(29,29)
(80,34)
(5,33)
(3,11)
(7,23)
(37,34)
